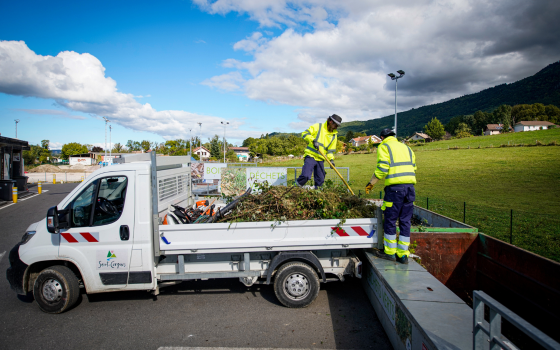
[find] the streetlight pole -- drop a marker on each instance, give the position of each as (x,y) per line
(190,143)
(225,124)
(395,78)
(110,143)
(200,135)
(106,121)
(17,121)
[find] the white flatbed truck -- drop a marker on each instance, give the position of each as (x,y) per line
(106,235)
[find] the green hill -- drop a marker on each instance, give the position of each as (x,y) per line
(543,87)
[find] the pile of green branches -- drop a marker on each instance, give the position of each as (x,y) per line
(278,203)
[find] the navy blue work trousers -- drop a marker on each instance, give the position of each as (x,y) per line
(310,165)
(402,197)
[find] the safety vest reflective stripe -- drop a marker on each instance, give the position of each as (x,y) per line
(390,244)
(391,237)
(404,239)
(392,176)
(313,150)
(383,169)
(402,247)
(398,163)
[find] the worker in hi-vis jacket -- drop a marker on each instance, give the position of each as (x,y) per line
(320,136)
(397,164)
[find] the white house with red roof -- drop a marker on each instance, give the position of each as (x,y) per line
(363,140)
(202,152)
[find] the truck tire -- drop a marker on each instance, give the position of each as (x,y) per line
(296,285)
(56,289)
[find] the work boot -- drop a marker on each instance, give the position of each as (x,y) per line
(381,254)
(403,259)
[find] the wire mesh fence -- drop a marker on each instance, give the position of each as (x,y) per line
(330,175)
(536,232)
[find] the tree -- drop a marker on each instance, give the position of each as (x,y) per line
(133,146)
(502,115)
(349,135)
(145,145)
(481,119)
(434,129)
(72,148)
(31,156)
(248,141)
(463,130)
(118,148)
(215,147)
(452,125)
(97,149)
(45,152)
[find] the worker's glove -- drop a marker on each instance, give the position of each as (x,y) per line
(332,162)
(369,187)
(316,144)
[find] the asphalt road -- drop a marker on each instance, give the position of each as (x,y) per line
(205,314)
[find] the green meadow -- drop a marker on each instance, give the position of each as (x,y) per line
(483,186)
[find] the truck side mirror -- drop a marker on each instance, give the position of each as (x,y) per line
(52,220)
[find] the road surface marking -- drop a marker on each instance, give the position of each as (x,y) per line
(2,255)
(7,205)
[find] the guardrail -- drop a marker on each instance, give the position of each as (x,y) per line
(482,335)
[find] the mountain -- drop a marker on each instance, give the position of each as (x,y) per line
(543,87)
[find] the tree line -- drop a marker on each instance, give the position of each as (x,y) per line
(475,124)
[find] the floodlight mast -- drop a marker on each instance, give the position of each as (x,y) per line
(395,78)
(225,124)
(106,121)
(17,121)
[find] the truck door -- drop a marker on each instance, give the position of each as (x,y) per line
(99,238)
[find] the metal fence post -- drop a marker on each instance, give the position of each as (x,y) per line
(495,329)
(479,340)
(45,176)
(511,227)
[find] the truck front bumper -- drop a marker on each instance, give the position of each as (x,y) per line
(16,271)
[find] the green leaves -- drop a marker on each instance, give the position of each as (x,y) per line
(434,129)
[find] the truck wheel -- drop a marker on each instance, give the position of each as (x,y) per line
(56,289)
(296,285)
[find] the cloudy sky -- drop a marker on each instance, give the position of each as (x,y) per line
(156,69)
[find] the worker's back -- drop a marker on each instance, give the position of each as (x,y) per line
(396,162)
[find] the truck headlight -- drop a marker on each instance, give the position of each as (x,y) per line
(27,236)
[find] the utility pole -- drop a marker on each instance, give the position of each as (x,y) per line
(110,143)
(395,78)
(200,135)
(225,124)
(17,121)
(106,121)
(190,143)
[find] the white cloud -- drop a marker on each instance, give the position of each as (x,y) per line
(55,145)
(334,56)
(78,82)
(229,82)
(57,113)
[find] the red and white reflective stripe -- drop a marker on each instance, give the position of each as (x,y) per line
(351,231)
(81,237)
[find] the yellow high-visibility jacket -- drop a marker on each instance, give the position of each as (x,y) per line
(327,141)
(395,162)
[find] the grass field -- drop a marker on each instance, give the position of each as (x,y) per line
(513,138)
(492,182)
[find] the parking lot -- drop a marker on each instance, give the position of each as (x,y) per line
(219,313)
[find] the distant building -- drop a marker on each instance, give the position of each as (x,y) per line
(493,129)
(202,152)
(420,136)
(85,159)
(241,152)
(363,140)
(532,125)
